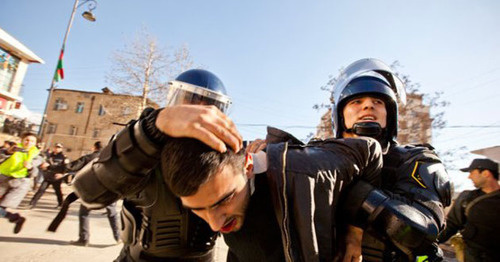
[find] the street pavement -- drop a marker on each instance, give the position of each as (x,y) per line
(35,243)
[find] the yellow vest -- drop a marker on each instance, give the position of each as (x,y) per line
(14,165)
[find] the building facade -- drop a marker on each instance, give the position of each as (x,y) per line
(415,122)
(78,119)
(14,60)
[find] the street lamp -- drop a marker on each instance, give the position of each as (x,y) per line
(59,73)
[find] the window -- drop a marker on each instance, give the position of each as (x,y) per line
(96,133)
(51,128)
(73,130)
(8,68)
(102,110)
(60,104)
(79,107)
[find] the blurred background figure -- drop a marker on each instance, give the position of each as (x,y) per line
(476,214)
(14,178)
(52,169)
(83,214)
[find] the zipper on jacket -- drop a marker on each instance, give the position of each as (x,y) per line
(288,253)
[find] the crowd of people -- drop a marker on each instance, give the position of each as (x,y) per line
(185,179)
(16,126)
(26,166)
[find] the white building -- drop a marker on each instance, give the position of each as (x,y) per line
(14,60)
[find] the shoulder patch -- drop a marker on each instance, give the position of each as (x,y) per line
(416,176)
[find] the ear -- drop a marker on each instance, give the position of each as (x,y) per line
(249,165)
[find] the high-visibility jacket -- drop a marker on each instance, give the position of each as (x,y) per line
(14,165)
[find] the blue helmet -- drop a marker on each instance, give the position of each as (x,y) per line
(198,87)
(368,77)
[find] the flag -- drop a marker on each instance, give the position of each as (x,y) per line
(59,69)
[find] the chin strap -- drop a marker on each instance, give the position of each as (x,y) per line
(370,129)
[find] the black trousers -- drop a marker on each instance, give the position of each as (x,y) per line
(56,184)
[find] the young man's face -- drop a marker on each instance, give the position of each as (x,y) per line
(477,177)
(58,149)
(364,109)
(223,200)
(29,142)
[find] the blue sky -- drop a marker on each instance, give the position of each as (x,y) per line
(274,56)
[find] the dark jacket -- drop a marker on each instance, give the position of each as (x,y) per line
(476,216)
(305,184)
(416,189)
(57,165)
(81,162)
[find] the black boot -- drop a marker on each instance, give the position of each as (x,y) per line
(18,220)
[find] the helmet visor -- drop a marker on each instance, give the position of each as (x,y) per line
(370,67)
(182,93)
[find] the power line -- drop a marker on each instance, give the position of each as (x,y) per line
(471,126)
(299,126)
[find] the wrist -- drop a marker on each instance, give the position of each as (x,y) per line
(148,124)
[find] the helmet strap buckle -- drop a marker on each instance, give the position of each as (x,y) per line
(370,129)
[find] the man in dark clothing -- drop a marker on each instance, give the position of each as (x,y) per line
(282,212)
(52,169)
(476,214)
(83,214)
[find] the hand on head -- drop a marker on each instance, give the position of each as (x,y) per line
(205,123)
(256,146)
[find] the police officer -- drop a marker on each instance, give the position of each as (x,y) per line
(401,219)
(156,226)
(475,214)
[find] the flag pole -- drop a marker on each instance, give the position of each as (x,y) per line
(51,89)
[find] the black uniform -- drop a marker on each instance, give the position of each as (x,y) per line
(155,225)
(477,216)
(404,217)
(57,162)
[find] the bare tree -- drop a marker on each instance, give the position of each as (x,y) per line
(143,68)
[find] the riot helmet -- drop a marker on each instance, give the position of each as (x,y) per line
(374,78)
(198,87)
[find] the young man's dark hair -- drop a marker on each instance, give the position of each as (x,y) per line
(25,134)
(188,163)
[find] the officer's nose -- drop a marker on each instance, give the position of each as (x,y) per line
(368,103)
(216,219)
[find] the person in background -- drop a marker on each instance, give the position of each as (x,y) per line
(83,214)
(6,150)
(476,214)
(52,168)
(14,178)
